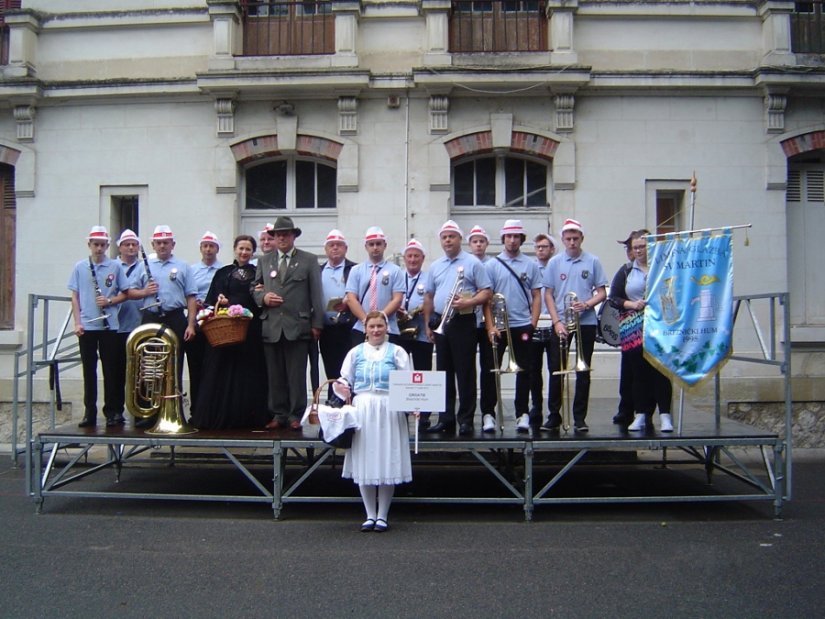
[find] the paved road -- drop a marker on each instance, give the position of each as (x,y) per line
(104,558)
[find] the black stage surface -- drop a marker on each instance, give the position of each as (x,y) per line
(705,462)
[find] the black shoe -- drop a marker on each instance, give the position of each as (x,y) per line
(622,420)
(465,429)
(115,421)
(580,426)
(441,428)
(552,424)
(88,421)
(146,422)
(423,425)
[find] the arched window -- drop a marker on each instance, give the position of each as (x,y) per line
(500,181)
(290,184)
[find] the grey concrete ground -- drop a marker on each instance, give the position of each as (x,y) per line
(105,558)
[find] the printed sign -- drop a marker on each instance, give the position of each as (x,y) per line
(421,391)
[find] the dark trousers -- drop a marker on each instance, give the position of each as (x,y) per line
(195,350)
(334,344)
(580,401)
(422,356)
(651,388)
(519,350)
(626,388)
(104,344)
(539,349)
(121,370)
(286,369)
(455,354)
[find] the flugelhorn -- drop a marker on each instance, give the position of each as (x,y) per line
(404,320)
(449,310)
(152,378)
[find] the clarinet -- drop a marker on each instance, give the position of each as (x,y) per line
(149,280)
(103,315)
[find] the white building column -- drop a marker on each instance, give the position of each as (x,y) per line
(561,44)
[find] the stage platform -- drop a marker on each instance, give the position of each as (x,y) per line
(524,470)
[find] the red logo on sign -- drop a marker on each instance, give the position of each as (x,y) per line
(418,377)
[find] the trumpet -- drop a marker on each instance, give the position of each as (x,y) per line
(571,322)
(449,310)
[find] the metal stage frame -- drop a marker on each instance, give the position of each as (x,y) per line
(289,461)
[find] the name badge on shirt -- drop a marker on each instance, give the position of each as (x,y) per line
(110,279)
(385,277)
(173,274)
(585,274)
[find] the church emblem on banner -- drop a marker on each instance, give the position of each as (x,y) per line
(688,322)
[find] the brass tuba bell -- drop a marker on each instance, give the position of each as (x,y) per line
(152,378)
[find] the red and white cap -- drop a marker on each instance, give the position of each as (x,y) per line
(478,231)
(335,235)
(415,244)
(450,226)
(210,237)
(163,233)
(128,235)
(98,233)
(512,226)
(374,233)
(267,228)
(571,224)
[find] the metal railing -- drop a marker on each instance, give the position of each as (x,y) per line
(808,28)
(498,26)
(275,28)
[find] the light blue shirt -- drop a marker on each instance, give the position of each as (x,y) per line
(203,275)
(128,312)
(443,274)
(580,275)
(110,279)
(175,284)
(390,280)
(514,291)
(334,286)
(416,287)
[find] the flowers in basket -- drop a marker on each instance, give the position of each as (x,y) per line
(233,311)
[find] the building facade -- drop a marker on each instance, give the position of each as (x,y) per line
(223,114)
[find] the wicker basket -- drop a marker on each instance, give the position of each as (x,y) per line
(225,330)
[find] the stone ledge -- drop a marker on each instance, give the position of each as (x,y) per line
(808,425)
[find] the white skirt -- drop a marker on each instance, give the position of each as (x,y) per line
(380,453)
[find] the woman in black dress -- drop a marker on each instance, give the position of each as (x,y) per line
(233,386)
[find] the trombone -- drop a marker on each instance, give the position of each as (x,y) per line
(571,323)
(501,322)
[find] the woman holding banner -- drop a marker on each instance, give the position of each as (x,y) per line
(380,454)
(651,388)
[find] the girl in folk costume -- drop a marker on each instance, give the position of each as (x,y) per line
(380,454)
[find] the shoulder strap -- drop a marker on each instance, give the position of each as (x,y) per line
(518,279)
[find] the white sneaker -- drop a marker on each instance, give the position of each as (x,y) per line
(638,423)
(523,423)
(488,423)
(666,422)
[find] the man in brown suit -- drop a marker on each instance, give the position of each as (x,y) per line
(288,289)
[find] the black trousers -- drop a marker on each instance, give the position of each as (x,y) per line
(105,344)
(520,350)
(121,370)
(539,349)
(422,356)
(455,354)
(335,343)
(175,320)
(195,350)
(651,388)
(626,388)
(582,397)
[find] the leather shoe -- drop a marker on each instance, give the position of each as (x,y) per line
(441,428)
(551,425)
(116,420)
(87,422)
(275,424)
(622,420)
(295,424)
(465,429)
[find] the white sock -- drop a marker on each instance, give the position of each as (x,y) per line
(368,496)
(385,493)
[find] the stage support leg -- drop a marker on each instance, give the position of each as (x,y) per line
(278,471)
(528,482)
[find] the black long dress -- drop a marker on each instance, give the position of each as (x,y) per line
(233,391)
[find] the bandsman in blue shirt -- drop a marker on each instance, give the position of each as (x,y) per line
(516,303)
(97,284)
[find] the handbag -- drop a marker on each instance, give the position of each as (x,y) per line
(338,424)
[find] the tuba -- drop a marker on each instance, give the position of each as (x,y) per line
(152,378)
